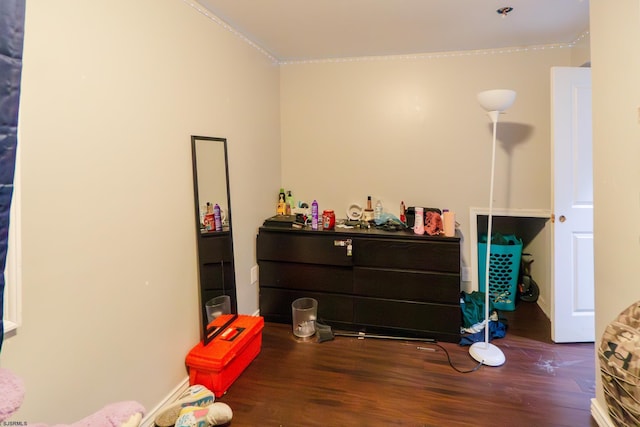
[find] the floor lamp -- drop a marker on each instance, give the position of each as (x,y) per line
(494,102)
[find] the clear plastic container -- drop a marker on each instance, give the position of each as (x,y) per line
(377,213)
(304,312)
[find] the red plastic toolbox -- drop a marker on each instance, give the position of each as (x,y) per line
(218,364)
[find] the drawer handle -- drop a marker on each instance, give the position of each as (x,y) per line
(347,243)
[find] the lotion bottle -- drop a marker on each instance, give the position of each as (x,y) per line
(449,223)
(290,202)
(418,227)
(368,212)
(281,209)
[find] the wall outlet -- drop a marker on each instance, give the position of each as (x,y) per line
(465,274)
(254,274)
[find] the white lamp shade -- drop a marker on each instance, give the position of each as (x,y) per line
(497,99)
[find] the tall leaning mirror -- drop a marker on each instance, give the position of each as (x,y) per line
(213,222)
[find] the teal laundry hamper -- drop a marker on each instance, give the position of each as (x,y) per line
(504,268)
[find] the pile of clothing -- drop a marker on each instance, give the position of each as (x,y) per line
(473,321)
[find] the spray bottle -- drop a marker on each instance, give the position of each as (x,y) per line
(217,218)
(314,215)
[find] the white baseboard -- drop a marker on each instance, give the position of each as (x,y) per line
(600,414)
(149,418)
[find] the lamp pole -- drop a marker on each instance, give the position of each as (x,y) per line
(494,101)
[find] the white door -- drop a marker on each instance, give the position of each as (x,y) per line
(572,305)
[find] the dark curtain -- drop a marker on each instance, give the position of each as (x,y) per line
(11,41)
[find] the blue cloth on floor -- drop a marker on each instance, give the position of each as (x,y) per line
(496,330)
(472,306)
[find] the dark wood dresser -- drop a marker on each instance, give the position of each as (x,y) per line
(390,282)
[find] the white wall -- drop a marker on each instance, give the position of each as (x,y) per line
(581,51)
(616,133)
(411,129)
(112,91)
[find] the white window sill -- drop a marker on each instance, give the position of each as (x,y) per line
(9,326)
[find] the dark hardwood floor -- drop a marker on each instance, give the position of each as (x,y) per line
(374,382)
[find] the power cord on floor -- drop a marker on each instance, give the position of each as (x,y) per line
(362,335)
(449,359)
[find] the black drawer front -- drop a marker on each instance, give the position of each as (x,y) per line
(407,285)
(275,304)
(438,318)
(311,249)
(306,277)
(405,254)
(214,248)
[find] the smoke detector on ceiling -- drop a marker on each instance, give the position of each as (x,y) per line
(504,11)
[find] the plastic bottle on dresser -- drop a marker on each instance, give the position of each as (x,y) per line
(282,208)
(377,213)
(290,202)
(418,226)
(314,215)
(448,223)
(403,209)
(367,215)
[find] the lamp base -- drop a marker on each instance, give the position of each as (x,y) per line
(487,354)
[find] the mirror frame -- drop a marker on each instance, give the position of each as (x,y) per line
(213,246)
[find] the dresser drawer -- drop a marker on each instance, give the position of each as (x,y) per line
(407,285)
(308,277)
(310,248)
(432,255)
(432,319)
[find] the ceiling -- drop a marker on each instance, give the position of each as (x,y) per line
(303,30)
